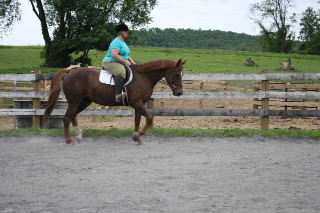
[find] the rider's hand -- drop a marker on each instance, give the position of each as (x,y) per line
(127,62)
(132,61)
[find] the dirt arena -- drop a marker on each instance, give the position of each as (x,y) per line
(180,174)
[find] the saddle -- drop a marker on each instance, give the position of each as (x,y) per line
(107,78)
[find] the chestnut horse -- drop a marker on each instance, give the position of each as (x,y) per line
(81,87)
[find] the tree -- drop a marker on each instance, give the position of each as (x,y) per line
(310,24)
(81,25)
(310,31)
(9,12)
(274,20)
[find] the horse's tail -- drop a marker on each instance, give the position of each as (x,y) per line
(54,94)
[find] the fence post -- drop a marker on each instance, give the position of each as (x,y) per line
(201,100)
(150,104)
(286,100)
(36,102)
(255,88)
(304,100)
(317,100)
(264,122)
(161,101)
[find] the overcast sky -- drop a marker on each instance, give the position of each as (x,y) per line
(226,15)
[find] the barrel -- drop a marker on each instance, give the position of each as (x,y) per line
(23,121)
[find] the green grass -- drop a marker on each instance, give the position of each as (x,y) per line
(22,59)
(6,103)
(27,58)
(230,61)
(171,132)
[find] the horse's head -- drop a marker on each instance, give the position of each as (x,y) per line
(173,77)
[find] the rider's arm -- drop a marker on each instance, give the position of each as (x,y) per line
(115,54)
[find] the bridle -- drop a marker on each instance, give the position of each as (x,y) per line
(171,85)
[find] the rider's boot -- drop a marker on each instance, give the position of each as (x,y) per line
(119,82)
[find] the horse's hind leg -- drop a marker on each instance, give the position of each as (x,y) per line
(84,104)
(73,109)
(79,130)
(70,114)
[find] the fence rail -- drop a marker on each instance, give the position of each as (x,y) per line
(199,76)
(253,77)
(173,112)
(188,95)
(264,95)
(238,95)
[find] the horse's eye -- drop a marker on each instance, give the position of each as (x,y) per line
(177,75)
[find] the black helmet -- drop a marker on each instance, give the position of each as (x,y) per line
(122,27)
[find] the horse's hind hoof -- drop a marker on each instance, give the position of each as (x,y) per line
(140,141)
(73,142)
(78,140)
(137,139)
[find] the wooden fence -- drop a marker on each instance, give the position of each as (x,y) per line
(289,103)
(264,95)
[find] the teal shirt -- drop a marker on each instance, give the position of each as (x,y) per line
(119,44)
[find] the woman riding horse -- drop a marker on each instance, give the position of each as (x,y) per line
(117,56)
(81,87)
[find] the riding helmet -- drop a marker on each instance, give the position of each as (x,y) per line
(122,27)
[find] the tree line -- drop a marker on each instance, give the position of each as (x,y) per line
(195,39)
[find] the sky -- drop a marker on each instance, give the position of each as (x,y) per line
(225,15)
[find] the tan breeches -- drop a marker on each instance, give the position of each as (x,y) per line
(116,69)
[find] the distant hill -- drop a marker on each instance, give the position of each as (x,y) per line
(195,39)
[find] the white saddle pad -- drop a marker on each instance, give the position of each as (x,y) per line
(106,77)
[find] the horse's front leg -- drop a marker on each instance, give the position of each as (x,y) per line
(140,108)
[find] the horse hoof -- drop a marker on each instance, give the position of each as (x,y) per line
(137,139)
(140,141)
(78,140)
(72,142)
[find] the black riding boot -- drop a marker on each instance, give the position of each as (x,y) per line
(119,82)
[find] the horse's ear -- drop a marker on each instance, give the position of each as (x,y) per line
(183,62)
(179,62)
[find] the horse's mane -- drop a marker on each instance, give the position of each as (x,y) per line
(155,65)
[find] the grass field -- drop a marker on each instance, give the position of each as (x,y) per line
(27,58)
